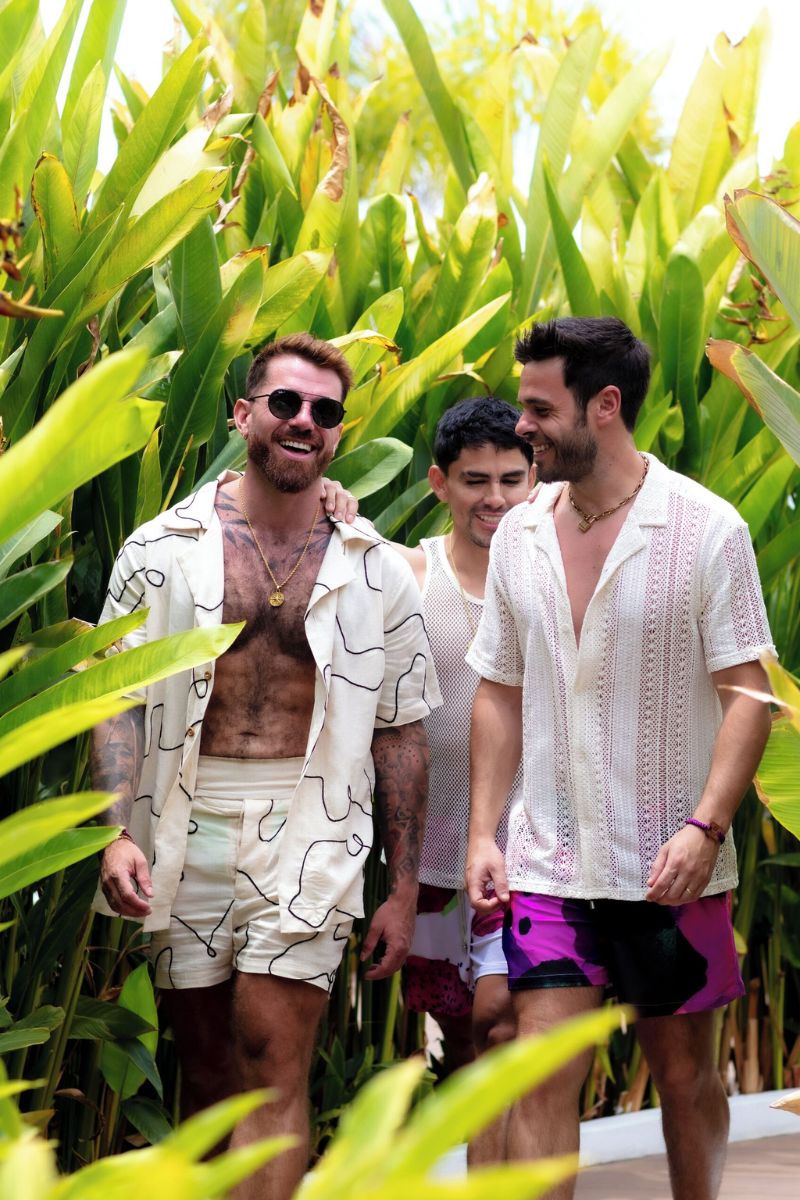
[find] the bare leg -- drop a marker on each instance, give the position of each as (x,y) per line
(201,1024)
(694,1107)
(545,1122)
(493,1023)
(457,1045)
(274,1027)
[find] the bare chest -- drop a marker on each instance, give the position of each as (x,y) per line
(584,556)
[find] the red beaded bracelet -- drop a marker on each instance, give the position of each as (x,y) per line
(711,829)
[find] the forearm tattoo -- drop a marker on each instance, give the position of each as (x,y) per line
(117,749)
(400,755)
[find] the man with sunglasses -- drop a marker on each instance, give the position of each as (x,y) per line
(248,786)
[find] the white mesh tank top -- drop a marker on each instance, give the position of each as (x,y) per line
(445,845)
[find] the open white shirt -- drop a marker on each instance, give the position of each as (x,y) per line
(618,731)
(373,670)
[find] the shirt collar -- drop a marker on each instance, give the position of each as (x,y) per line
(197,511)
(649,508)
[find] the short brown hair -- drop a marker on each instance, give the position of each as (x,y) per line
(303,345)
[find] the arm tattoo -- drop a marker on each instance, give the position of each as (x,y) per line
(400,755)
(117,750)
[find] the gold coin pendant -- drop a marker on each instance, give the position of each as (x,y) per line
(276,598)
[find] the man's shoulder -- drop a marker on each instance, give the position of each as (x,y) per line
(701,497)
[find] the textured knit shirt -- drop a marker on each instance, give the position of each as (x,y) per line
(451,618)
(373,670)
(618,731)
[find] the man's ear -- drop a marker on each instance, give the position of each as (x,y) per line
(607,404)
(438,481)
(241,416)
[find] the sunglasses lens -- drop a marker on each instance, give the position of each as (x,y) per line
(284,404)
(327,413)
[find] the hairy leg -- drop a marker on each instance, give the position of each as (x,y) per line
(201,1024)
(694,1108)
(493,1023)
(274,1026)
(545,1122)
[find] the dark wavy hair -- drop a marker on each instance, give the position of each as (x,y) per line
(484,421)
(303,345)
(596,352)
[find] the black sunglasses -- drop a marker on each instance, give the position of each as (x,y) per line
(284,404)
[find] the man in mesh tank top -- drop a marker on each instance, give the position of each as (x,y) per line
(622,606)
(456,970)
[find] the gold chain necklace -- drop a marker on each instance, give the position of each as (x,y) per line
(473,629)
(589,519)
(276,597)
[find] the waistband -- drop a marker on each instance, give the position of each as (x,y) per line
(245,778)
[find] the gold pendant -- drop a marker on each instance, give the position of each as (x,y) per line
(586,524)
(276,598)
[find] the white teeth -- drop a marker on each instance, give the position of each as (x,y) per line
(304,446)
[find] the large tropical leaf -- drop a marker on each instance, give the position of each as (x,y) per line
(775,400)
(92,425)
(401,388)
(132,671)
(45,669)
(153,132)
(444,108)
(370,467)
(770,237)
(194,395)
(23,143)
(31,827)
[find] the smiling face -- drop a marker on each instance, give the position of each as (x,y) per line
(554,425)
(480,486)
(291,455)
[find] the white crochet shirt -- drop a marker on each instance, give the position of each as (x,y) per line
(450,631)
(618,732)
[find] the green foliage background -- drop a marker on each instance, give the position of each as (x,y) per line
(263,188)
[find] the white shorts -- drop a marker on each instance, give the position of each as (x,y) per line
(225,914)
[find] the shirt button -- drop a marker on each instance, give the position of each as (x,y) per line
(207,675)
(190,733)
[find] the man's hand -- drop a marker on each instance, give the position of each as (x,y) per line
(682,867)
(123,864)
(392,924)
(485,877)
(339,503)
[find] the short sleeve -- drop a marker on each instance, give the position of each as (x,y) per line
(125,595)
(496,653)
(733,620)
(410,689)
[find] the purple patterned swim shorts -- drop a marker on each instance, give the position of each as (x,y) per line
(663,960)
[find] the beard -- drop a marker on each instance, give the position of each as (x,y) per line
(572,458)
(287,476)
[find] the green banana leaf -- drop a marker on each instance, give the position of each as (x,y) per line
(131,671)
(47,668)
(770,237)
(54,204)
(680,346)
(92,425)
(194,395)
(443,106)
(22,145)
(153,132)
(465,263)
(371,466)
(775,400)
(55,854)
(26,538)
(195,280)
(561,112)
(397,392)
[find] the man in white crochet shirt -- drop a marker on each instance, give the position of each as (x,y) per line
(456,970)
(622,607)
